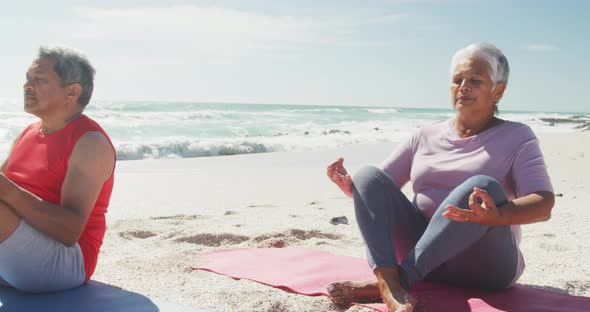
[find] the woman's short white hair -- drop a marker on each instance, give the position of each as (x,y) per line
(489,54)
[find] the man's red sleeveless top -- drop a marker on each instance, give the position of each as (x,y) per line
(38,163)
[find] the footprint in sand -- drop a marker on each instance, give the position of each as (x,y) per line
(305,235)
(298,234)
(280,240)
(177,217)
(213,240)
(137,234)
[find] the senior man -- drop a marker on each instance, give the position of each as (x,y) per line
(56,183)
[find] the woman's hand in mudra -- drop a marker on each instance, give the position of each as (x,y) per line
(482,210)
(338,174)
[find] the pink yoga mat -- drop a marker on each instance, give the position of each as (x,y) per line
(308,272)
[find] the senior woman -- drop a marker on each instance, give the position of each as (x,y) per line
(475,177)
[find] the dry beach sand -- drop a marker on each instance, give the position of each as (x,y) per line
(164,213)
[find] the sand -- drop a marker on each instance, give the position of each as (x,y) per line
(164,213)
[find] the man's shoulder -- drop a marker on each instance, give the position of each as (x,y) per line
(85,125)
(93,141)
(86,122)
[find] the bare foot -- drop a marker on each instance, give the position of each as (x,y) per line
(395,297)
(345,293)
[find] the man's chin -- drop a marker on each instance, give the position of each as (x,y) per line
(30,108)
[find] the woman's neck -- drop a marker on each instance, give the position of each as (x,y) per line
(466,128)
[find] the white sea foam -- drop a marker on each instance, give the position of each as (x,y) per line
(383,110)
(142,130)
(191,147)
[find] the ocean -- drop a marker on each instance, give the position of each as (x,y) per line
(143,130)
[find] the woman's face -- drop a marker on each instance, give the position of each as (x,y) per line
(472,89)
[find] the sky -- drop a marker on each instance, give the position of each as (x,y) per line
(392,53)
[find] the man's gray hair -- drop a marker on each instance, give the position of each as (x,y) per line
(72,67)
(489,54)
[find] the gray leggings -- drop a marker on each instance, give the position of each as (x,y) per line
(460,254)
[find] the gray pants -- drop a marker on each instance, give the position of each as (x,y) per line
(460,254)
(31,261)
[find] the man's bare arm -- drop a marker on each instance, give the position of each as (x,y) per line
(90,165)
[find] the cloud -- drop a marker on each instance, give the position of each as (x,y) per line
(208,29)
(220,31)
(541,48)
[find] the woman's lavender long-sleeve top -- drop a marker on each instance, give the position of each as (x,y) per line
(436,160)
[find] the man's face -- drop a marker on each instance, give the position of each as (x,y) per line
(43,91)
(472,89)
